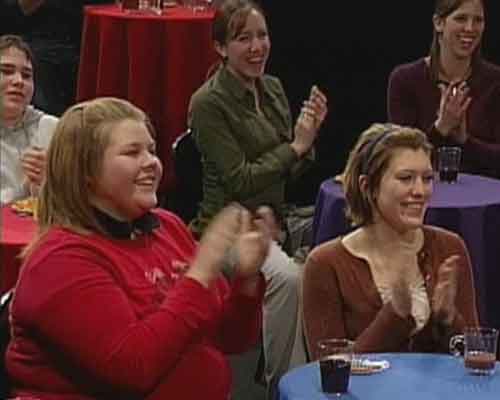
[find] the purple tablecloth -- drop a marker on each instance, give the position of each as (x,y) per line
(470,208)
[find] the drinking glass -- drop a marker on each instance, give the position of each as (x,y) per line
(479,349)
(335,357)
(448,163)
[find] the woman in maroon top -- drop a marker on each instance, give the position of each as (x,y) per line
(453,94)
(115,299)
(393,284)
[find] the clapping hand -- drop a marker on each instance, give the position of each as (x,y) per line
(33,165)
(231,232)
(453,109)
(445,291)
(312,115)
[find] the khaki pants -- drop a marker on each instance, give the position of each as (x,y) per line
(283,338)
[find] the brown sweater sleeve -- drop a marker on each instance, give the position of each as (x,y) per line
(323,317)
(466,296)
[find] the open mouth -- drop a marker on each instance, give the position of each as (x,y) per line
(147,183)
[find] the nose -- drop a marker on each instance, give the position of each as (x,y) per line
(419,187)
(256,44)
(469,25)
(149,160)
(17,78)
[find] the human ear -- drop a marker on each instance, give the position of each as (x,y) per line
(438,23)
(363,183)
(220,49)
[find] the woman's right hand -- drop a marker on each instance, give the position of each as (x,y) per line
(452,108)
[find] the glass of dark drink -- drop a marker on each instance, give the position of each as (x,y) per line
(448,163)
(479,349)
(335,356)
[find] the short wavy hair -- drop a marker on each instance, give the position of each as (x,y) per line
(371,156)
(9,41)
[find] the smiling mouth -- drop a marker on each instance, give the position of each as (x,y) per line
(147,183)
(16,95)
(415,207)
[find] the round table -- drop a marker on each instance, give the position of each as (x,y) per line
(411,376)
(154,61)
(15,232)
(470,208)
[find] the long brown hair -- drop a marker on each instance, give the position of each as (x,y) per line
(74,160)
(442,10)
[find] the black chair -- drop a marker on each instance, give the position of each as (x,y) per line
(185,199)
(4,341)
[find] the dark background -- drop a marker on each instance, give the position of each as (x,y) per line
(349,48)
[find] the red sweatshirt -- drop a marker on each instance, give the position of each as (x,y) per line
(101,318)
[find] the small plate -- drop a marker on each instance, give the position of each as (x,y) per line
(364,366)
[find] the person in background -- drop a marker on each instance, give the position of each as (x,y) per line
(250,148)
(53,30)
(25,132)
(115,299)
(393,284)
(453,94)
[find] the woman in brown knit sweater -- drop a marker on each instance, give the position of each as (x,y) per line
(393,284)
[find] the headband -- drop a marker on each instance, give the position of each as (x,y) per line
(370,146)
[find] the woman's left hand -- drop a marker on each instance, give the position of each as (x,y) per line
(445,291)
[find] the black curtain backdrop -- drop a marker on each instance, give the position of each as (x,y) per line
(349,48)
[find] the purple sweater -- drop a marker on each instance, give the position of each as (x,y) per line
(413,99)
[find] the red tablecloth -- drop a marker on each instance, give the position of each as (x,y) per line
(156,62)
(15,233)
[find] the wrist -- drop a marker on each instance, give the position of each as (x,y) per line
(299,150)
(441,128)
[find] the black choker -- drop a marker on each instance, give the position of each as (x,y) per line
(127,230)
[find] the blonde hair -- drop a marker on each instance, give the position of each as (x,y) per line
(371,157)
(74,160)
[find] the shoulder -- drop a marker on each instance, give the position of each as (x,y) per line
(40,125)
(273,83)
(329,253)
(48,121)
(47,126)
(488,73)
(442,239)
(486,67)
(410,70)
